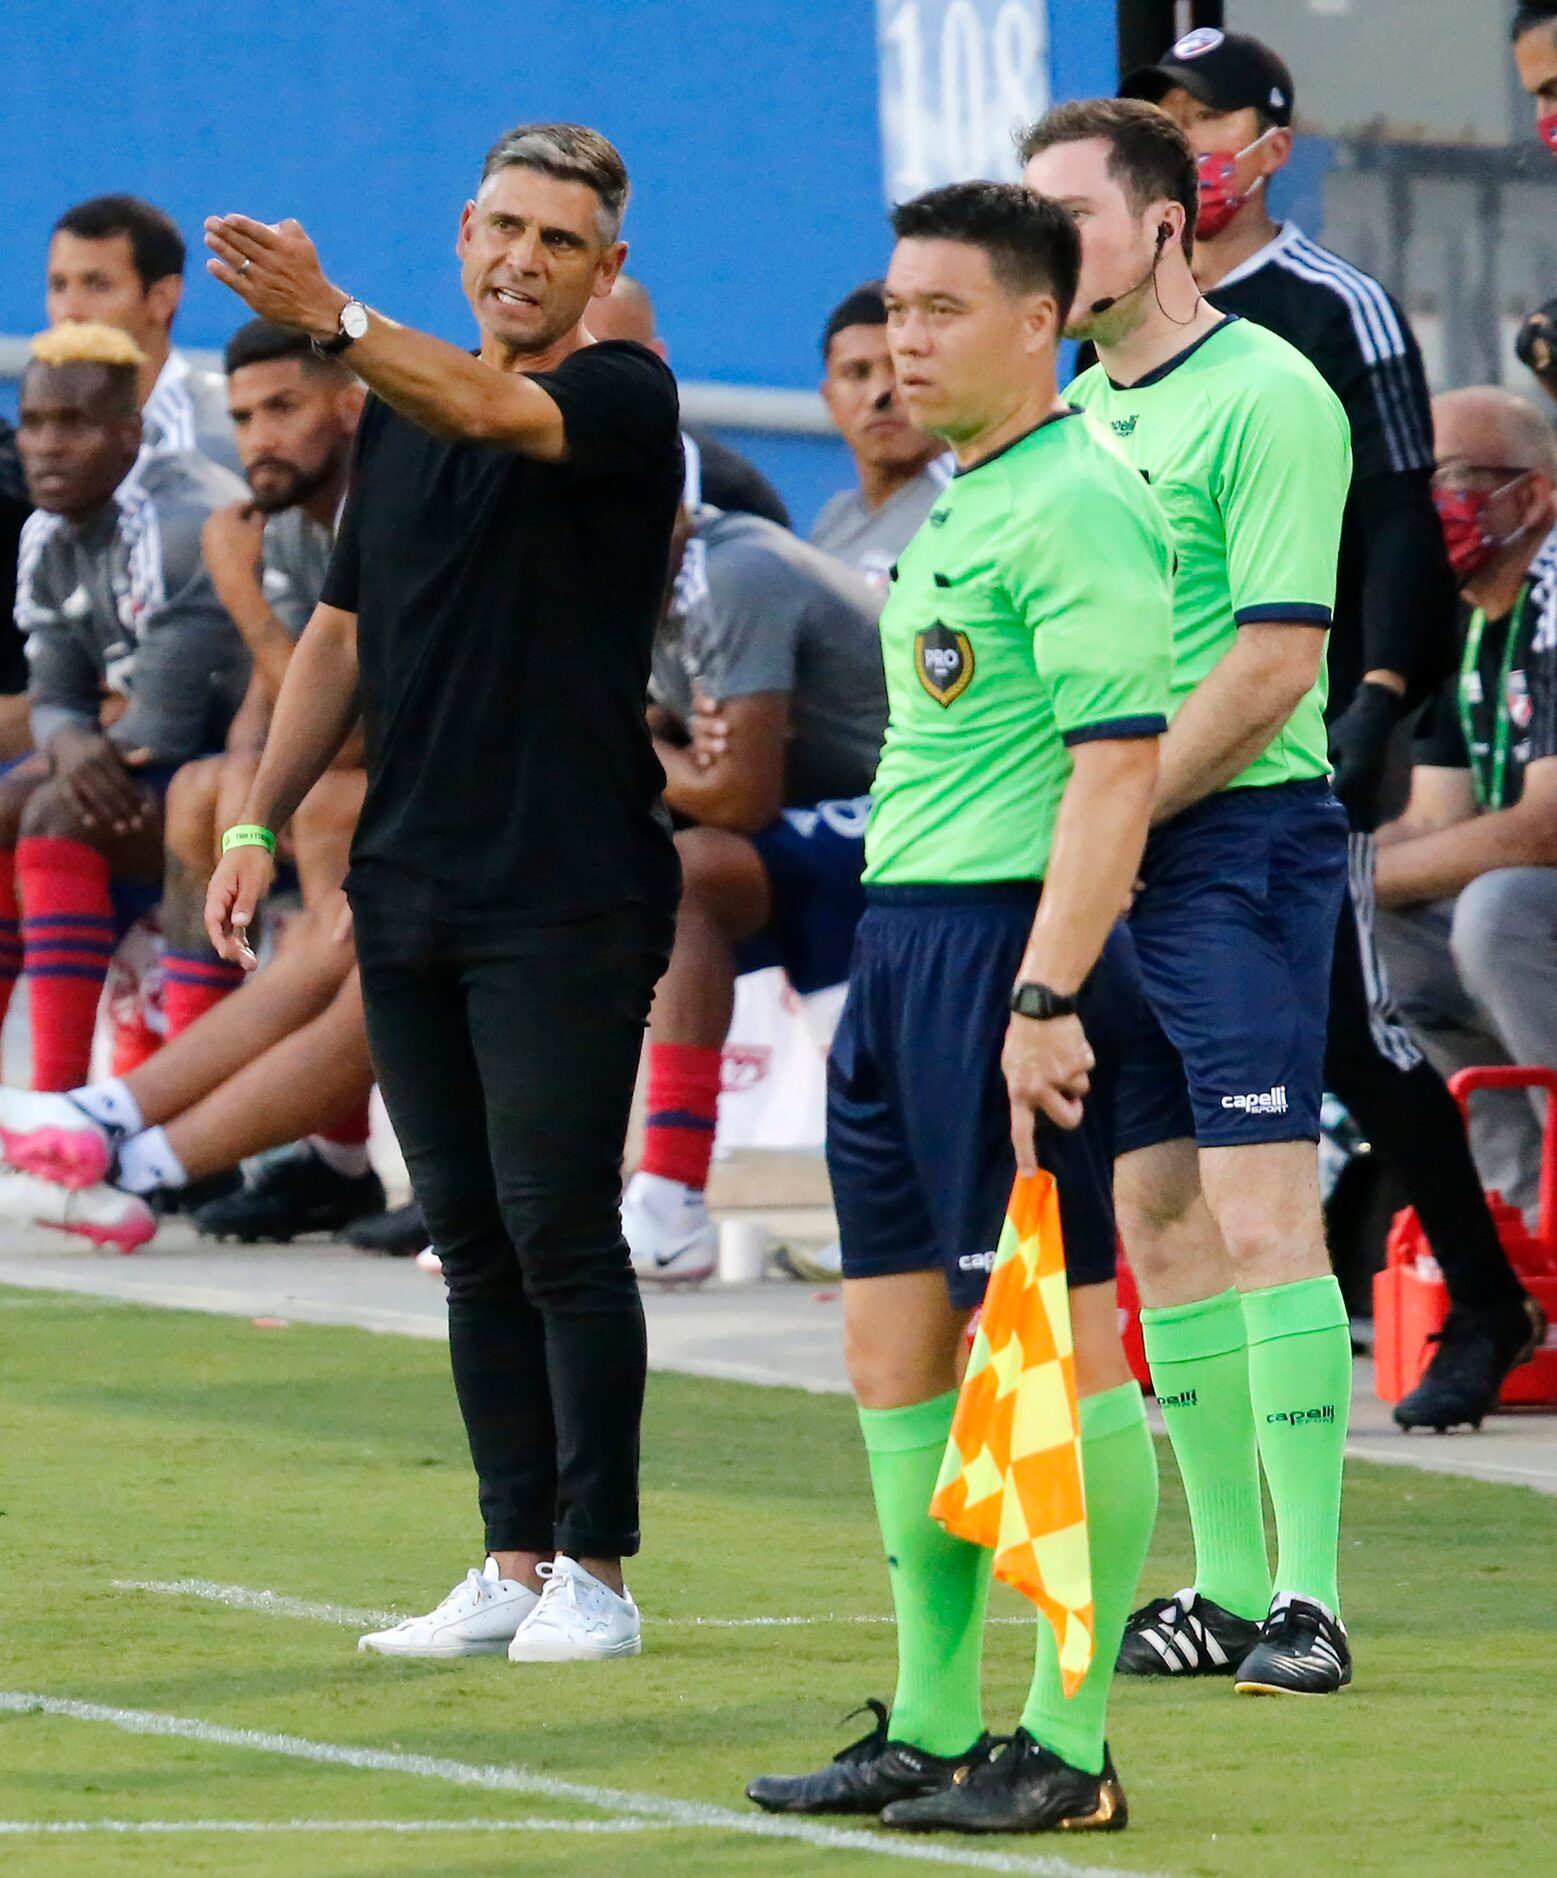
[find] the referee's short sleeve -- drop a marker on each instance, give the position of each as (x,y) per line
(620,412)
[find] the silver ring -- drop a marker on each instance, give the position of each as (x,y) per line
(248,262)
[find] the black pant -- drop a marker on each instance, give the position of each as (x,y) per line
(507,1056)
(1403,1106)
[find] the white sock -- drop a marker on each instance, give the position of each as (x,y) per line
(110,1103)
(147,1162)
(349,1159)
(662,1197)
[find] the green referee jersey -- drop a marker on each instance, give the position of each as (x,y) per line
(1031,611)
(1249,452)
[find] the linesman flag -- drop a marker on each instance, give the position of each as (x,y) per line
(1012,1475)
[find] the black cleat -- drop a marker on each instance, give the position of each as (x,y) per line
(1302,1651)
(1476,1350)
(199,1193)
(398,1234)
(866,1776)
(1019,1786)
(1186,1636)
(290,1193)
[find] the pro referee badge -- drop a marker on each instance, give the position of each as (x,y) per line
(943,660)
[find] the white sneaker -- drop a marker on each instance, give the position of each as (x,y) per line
(669,1234)
(427,1260)
(104,1215)
(43,1133)
(578,1620)
(823,1266)
(478,1618)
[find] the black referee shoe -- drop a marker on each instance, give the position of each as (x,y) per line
(868,1775)
(292,1192)
(1187,1635)
(1019,1786)
(1302,1651)
(398,1234)
(1476,1350)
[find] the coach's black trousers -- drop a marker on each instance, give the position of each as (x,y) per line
(507,1056)
(1402,1105)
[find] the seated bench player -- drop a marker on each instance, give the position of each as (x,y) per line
(134,668)
(776,642)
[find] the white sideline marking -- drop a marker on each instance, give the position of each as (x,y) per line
(274,1604)
(520,1780)
(18,1828)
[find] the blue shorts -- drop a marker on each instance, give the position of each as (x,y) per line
(918,1120)
(1235,928)
(814,858)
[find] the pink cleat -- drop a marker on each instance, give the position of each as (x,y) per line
(46,1134)
(106,1216)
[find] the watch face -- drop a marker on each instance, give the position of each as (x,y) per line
(354,319)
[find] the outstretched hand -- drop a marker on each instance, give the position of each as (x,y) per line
(274,268)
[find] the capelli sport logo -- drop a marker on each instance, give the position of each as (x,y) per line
(1186,1398)
(943,662)
(1125,426)
(1293,1416)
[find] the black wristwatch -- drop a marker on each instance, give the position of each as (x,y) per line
(1035,1000)
(349,327)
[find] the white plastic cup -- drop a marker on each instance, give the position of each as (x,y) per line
(743,1251)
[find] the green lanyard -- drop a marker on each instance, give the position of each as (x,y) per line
(1489,787)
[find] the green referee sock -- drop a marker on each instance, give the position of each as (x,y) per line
(1119,1465)
(939,1584)
(1300,1376)
(1199,1358)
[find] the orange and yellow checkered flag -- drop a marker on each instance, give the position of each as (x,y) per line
(1012,1476)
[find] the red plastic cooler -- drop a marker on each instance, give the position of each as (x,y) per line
(1409,1298)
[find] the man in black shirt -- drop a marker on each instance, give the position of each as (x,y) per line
(1470,869)
(1391,642)
(490,610)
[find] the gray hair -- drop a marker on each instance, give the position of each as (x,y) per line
(574,154)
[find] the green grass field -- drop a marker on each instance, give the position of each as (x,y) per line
(327,1465)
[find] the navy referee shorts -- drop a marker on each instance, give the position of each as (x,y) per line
(1235,931)
(918,1120)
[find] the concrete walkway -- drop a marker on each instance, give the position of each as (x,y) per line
(778,1332)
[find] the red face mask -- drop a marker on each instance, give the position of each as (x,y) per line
(1546,130)
(1219,200)
(1462,516)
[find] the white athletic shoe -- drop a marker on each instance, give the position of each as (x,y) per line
(427,1260)
(822,1266)
(104,1215)
(478,1618)
(669,1234)
(578,1620)
(46,1134)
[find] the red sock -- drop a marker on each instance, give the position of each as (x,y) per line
(683,1109)
(10,930)
(67,939)
(192,984)
(351,1131)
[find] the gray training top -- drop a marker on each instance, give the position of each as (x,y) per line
(870,540)
(756,610)
(294,558)
(187,410)
(124,603)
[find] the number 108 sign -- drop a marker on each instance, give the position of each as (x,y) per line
(958,77)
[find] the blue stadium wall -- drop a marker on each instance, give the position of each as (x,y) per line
(752,132)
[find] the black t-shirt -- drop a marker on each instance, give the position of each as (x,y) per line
(1505,694)
(506,611)
(14,510)
(1395,598)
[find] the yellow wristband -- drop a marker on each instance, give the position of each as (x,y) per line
(248,835)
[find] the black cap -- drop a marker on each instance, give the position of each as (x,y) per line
(1224,71)
(866,306)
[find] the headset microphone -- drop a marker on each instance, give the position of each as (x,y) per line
(1113,299)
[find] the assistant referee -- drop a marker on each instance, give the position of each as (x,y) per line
(490,611)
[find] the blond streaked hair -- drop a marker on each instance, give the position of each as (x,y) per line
(85,342)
